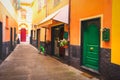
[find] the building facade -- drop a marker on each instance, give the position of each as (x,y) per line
(50,23)
(8,29)
(93,27)
(89,27)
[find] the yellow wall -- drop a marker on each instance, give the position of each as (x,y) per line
(11,23)
(38,15)
(116,32)
(51,8)
(48,9)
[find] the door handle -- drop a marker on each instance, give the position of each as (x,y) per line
(91,48)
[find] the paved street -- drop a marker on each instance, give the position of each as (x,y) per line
(24,63)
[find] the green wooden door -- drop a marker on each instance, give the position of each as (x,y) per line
(91,43)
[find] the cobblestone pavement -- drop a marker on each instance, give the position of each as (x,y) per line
(24,63)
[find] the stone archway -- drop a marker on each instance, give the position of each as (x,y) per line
(23,31)
(23,35)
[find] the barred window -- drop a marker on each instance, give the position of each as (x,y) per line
(56,2)
(41,3)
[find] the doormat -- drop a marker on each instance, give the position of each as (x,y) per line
(87,75)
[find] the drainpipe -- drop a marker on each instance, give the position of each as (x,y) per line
(69,4)
(45,34)
(46,8)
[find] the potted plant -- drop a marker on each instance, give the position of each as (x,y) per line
(63,43)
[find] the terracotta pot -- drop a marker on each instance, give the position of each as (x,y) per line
(65,46)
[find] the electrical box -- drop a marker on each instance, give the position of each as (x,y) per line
(106,34)
(65,35)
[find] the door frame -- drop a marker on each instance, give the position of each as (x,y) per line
(15,36)
(31,36)
(81,57)
(38,38)
(1,39)
(11,39)
(53,37)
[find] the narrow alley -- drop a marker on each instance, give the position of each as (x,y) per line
(24,63)
(78,40)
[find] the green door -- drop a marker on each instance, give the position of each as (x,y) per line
(90,44)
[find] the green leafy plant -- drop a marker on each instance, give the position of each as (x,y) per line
(63,42)
(42,49)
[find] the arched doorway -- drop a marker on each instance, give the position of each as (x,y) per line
(23,35)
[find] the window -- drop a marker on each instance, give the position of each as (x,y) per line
(7,22)
(16,4)
(23,14)
(41,4)
(56,2)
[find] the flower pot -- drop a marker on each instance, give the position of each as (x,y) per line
(65,46)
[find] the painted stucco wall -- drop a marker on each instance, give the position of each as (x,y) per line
(51,8)
(42,35)
(40,15)
(82,9)
(115,31)
(48,35)
(11,23)
(46,10)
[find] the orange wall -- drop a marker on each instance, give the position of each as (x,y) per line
(88,8)
(42,35)
(11,23)
(48,35)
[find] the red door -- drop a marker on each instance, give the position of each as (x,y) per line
(23,35)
